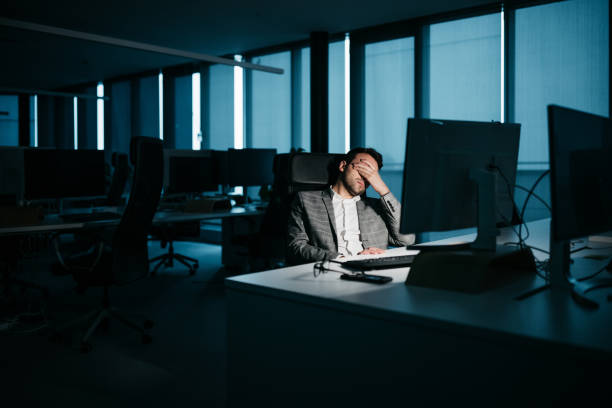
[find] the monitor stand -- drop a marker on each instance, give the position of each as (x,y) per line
(479,265)
(565,273)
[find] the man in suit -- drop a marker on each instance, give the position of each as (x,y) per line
(341,220)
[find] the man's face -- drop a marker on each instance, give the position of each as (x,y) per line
(353,181)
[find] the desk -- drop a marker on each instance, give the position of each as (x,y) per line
(298,340)
(54,224)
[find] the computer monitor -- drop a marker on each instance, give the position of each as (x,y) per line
(438,192)
(190,171)
(63,173)
(250,167)
(580,152)
(460,174)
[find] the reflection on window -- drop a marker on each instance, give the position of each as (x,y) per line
(562,57)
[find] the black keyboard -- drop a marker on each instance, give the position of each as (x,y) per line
(90,217)
(380,263)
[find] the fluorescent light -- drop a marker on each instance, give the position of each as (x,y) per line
(502,81)
(238,105)
(160,81)
(100,116)
(35,120)
(75,105)
(195,112)
(347,93)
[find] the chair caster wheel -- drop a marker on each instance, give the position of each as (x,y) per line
(86,347)
(148,324)
(146,339)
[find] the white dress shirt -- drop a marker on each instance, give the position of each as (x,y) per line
(347,224)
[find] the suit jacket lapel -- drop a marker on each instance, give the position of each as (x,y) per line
(329,206)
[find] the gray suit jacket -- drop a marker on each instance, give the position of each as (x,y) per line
(312,229)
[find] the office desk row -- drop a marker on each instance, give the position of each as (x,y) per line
(296,339)
(54,223)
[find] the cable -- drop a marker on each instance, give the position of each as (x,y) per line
(531,191)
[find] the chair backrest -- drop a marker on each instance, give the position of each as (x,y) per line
(295,172)
(130,255)
(121,173)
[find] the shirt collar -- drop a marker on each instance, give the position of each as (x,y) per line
(337,197)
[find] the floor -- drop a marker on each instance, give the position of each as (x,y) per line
(184,365)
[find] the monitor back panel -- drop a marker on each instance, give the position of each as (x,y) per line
(438,194)
(580,149)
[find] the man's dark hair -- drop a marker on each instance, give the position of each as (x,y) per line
(368,150)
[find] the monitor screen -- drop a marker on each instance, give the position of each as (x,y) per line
(190,171)
(250,167)
(580,149)
(438,193)
(59,173)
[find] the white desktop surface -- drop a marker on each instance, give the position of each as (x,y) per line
(549,316)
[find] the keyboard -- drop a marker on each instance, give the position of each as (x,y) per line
(380,263)
(90,217)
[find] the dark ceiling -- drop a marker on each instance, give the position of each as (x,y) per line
(42,61)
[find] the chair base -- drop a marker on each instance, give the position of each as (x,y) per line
(167,260)
(99,317)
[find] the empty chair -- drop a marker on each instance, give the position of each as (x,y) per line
(125,260)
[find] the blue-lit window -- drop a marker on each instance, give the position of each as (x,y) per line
(561,57)
(302,136)
(270,104)
(389,102)
(465,66)
(336,97)
(220,133)
(9,120)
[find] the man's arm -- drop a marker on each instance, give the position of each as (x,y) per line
(392,210)
(391,206)
(299,248)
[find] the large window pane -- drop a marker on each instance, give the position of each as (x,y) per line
(220,133)
(465,67)
(271,104)
(148,102)
(302,138)
(389,102)
(182,112)
(561,57)
(9,120)
(336,98)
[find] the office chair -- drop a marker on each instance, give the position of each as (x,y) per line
(293,172)
(167,234)
(126,259)
(121,174)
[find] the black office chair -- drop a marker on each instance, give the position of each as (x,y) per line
(126,259)
(167,234)
(293,172)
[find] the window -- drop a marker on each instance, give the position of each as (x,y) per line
(270,104)
(465,66)
(220,133)
(561,56)
(389,102)
(9,120)
(301,97)
(336,97)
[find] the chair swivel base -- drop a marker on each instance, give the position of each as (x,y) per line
(100,317)
(167,260)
